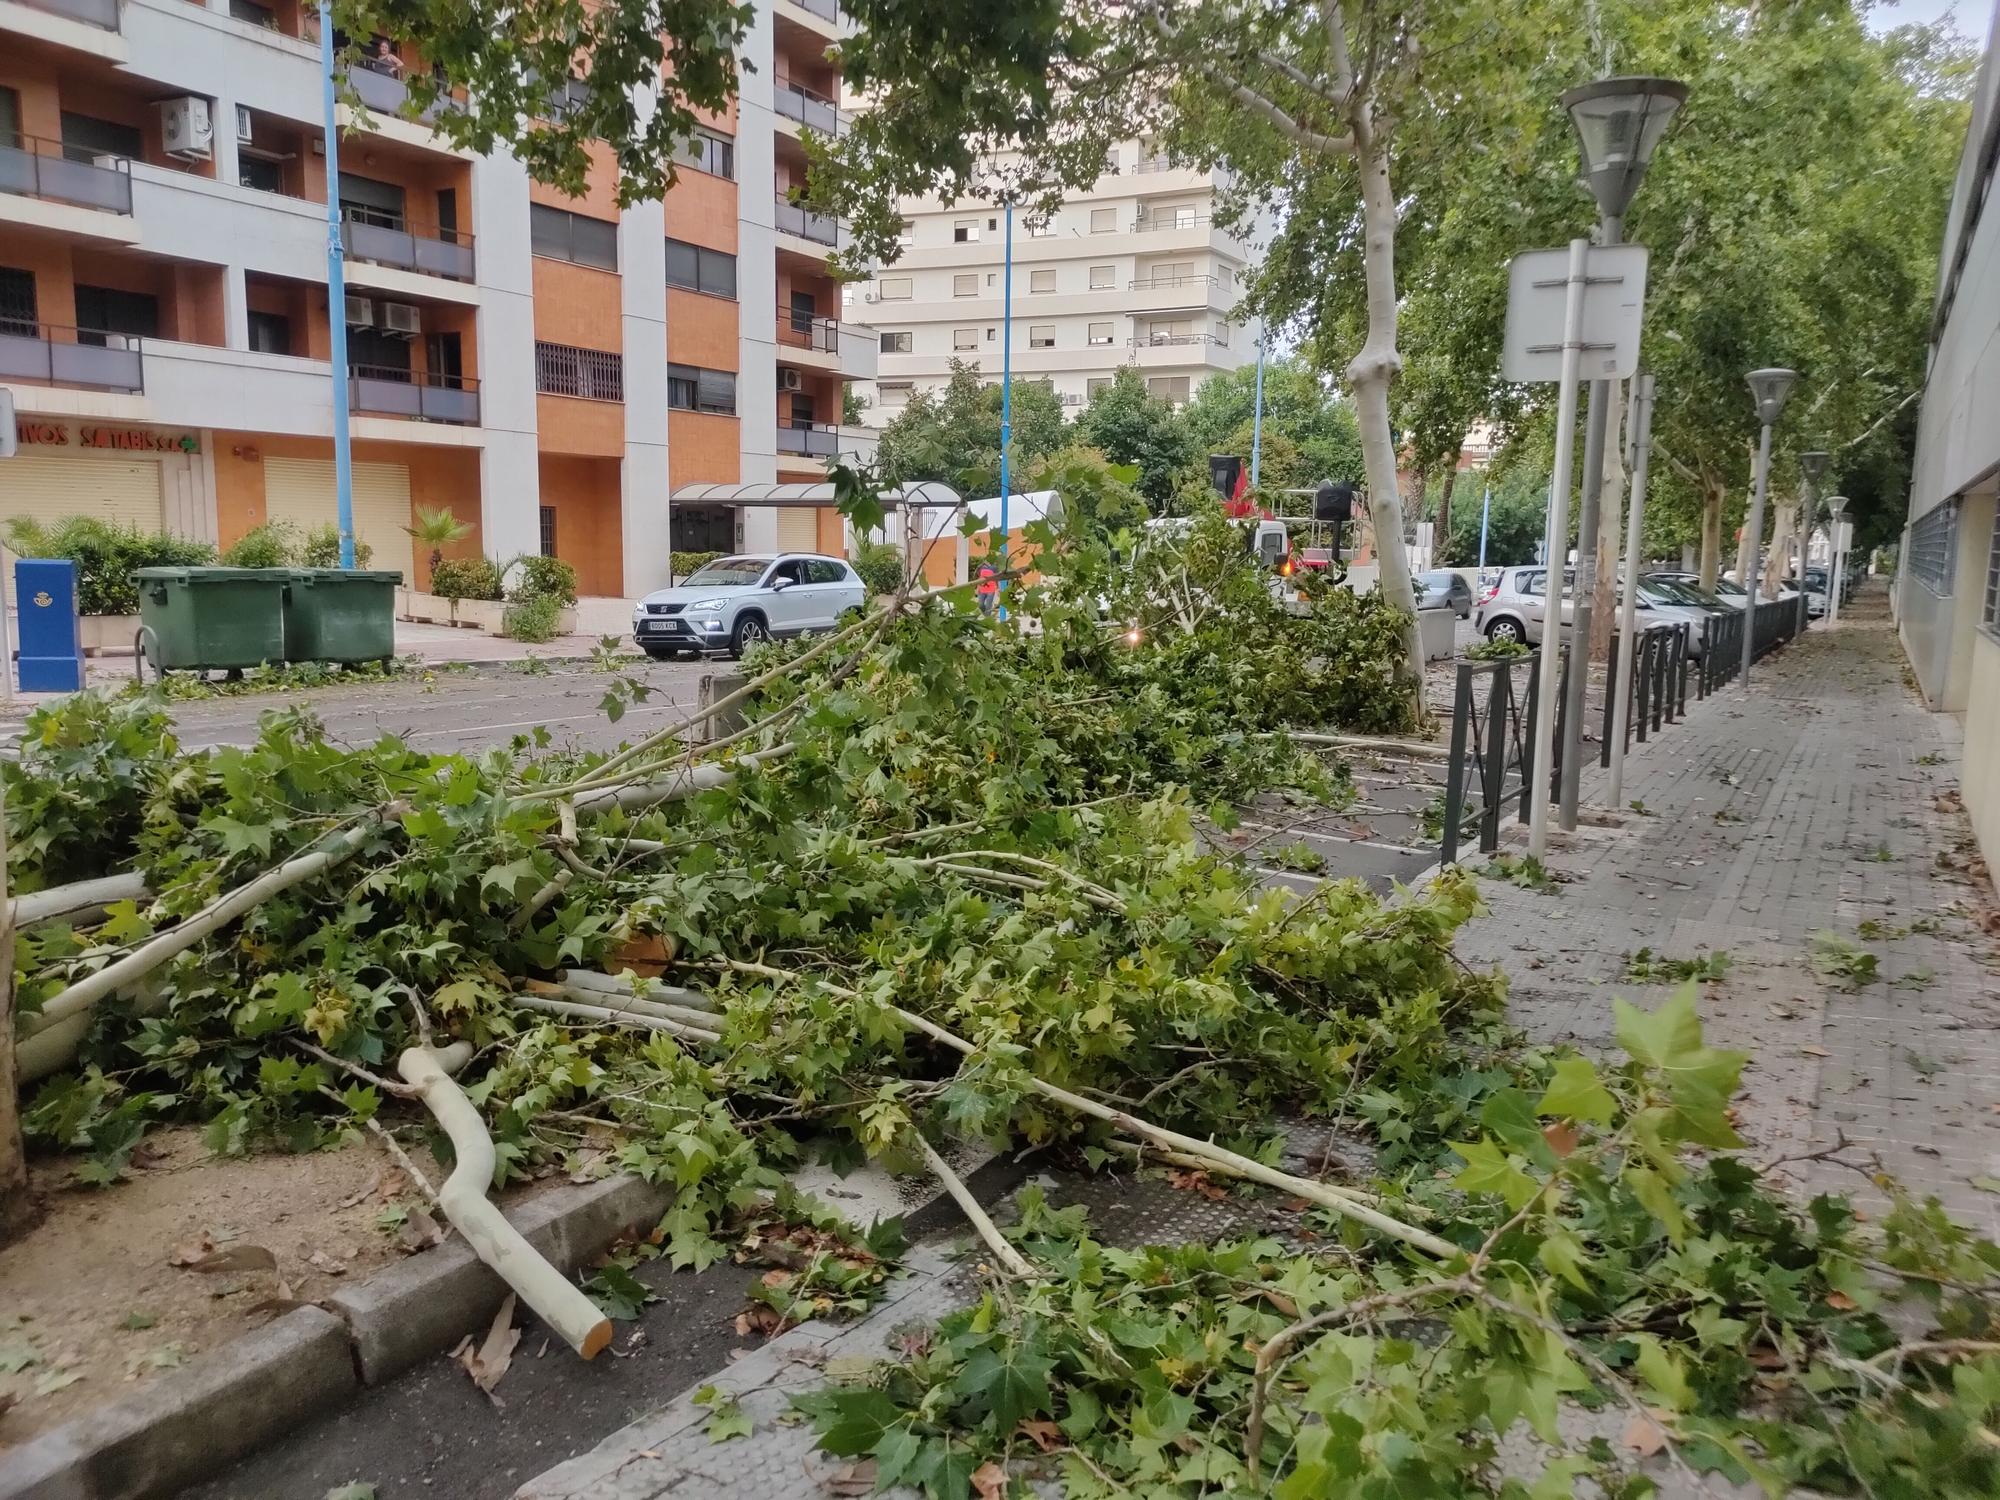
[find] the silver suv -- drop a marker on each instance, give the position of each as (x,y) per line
(735,602)
(1516,606)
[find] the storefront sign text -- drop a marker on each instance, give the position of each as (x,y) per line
(38,434)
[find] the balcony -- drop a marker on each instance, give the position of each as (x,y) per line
(99,13)
(816,441)
(38,168)
(1153,223)
(800,330)
(1168,283)
(370,235)
(382,91)
(810,109)
(55,355)
(792,218)
(827,10)
(1175,340)
(427,396)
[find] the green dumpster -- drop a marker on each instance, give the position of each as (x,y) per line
(202,619)
(332,614)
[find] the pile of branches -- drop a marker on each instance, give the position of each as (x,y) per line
(944,881)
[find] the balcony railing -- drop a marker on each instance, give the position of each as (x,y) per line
(815,441)
(822,229)
(101,13)
(382,91)
(382,391)
(1146,223)
(1153,164)
(808,108)
(1174,340)
(829,9)
(39,168)
(370,234)
(803,330)
(70,356)
(1165,283)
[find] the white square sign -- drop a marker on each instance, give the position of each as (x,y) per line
(1614,301)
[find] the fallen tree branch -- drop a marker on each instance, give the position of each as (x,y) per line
(980,1220)
(557,1300)
(634,795)
(80,903)
(578,1010)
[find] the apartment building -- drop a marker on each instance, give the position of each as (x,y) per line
(1134,271)
(551,369)
(1948,577)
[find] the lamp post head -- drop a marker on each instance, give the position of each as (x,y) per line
(1618,123)
(1836,506)
(1812,464)
(1769,388)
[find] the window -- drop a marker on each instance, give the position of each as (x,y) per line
(1104,221)
(592,374)
(1042,281)
(708,151)
(17,303)
(965,338)
(712,391)
(561,235)
(84,136)
(1041,335)
(1173,388)
(255,14)
(1095,384)
(548,530)
(825,570)
(10,117)
(1933,536)
(260,172)
(895,289)
(989,335)
(1222,334)
(965,232)
(965,286)
(1992,603)
(696,268)
(898,343)
(893,396)
(569,99)
(270,333)
(907,234)
(104,310)
(1102,278)
(1100,333)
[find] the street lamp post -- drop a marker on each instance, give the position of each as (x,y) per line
(1812,465)
(1618,123)
(1769,389)
(1836,578)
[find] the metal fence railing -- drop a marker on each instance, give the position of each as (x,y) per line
(428,395)
(59,355)
(798,329)
(63,172)
(590,374)
(1492,749)
(1773,623)
(1662,659)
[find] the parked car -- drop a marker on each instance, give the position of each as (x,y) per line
(1727,590)
(734,602)
(1515,608)
(1444,589)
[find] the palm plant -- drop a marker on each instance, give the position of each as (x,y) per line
(438,528)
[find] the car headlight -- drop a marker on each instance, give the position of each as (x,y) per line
(709,604)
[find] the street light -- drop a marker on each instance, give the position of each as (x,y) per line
(1769,390)
(1618,123)
(1836,576)
(1812,464)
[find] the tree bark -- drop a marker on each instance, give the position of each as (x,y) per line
(1711,531)
(1441,527)
(1368,377)
(17,1208)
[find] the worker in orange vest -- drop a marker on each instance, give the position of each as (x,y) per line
(988,589)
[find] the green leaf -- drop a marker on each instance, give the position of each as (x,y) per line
(1657,1198)
(1700,1079)
(1575,1093)
(1011,1380)
(1562,1253)
(137,1320)
(510,877)
(618,1292)
(1663,1373)
(894,1456)
(1488,1170)
(850,1422)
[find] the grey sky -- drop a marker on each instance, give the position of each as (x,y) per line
(1972,18)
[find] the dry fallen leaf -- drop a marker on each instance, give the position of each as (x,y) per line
(490,1360)
(1196,1182)
(325,1264)
(374,1184)
(853,1479)
(188,1254)
(1840,1301)
(989,1481)
(419,1232)
(1562,1136)
(235,1258)
(1815,1052)
(1044,1434)
(1644,1436)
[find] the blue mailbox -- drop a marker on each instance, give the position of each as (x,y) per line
(51,643)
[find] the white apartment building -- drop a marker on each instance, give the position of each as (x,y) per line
(1132,272)
(551,369)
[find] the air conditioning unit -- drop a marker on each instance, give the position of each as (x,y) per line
(360,312)
(187,129)
(870,297)
(245,133)
(402,319)
(790,380)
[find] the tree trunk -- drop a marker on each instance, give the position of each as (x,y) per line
(17,1209)
(1711,531)
(1746,551)
(1441,527)
(1610,527)
(1368,377)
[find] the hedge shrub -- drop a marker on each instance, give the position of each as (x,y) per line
(105,557)
(688,563)
(542,578)
(466,578)
(532,618)
(880,567)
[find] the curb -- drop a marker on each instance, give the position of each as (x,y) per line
(264,1383)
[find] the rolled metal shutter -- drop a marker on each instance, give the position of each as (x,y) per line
(798,529)
(300,490)
(121,492)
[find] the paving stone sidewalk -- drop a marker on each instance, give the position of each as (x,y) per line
(1822,802)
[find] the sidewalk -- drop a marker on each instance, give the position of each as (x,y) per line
(1822,801)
